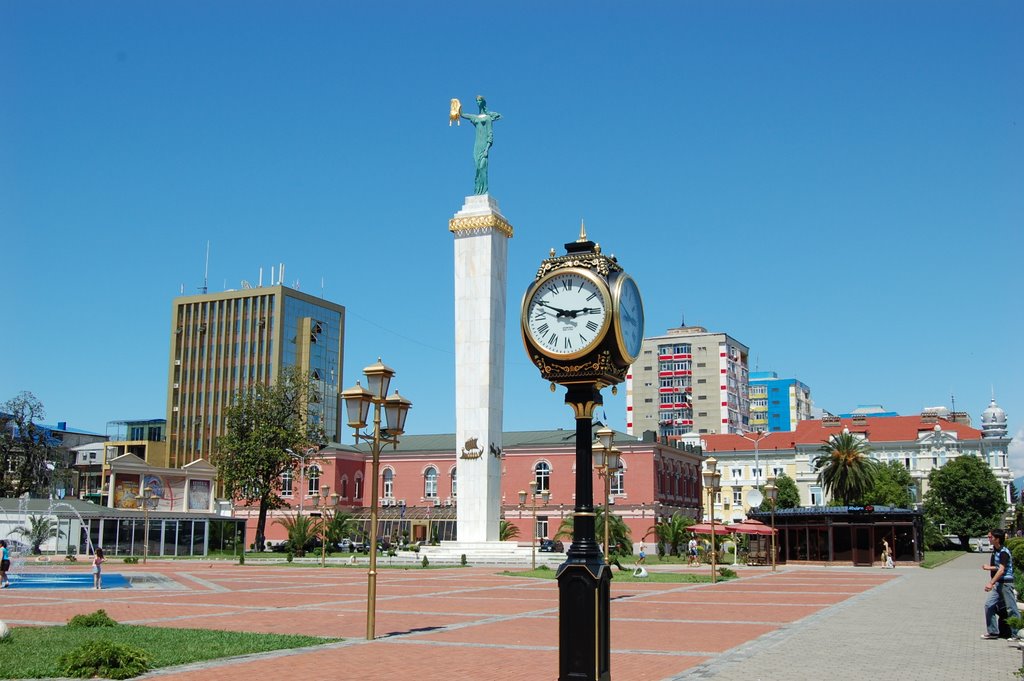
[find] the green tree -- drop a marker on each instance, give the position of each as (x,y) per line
(965,496)
(264,422)
(845,469)
(507,531)
(892,487)
(788,495)
(38,530)
(340,525)
(673,532)
(620,538)
(30,460)
(302,531)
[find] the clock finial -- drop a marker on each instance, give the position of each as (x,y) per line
(583,232)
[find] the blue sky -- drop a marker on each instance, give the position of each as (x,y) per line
(837,185)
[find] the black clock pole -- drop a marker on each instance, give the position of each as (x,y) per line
(584,579)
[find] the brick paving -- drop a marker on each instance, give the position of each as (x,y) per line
(802,623)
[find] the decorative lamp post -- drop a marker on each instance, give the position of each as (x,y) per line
(711,480)
(325,492)
(772,492)
(146,497)
(606,463)
(311,452)
(545,495)
(357,402)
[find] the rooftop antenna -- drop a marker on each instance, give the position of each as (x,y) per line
(321,286)
(206,269)
(682,319)
(952,402)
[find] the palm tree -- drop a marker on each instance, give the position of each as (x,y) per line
(845,468)
(39,530)
(673,532)
(620,540)
(339,526)
(302,530)
(507,531)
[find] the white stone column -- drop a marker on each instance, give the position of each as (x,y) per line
(481,265)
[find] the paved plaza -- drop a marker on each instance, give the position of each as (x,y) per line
(472,623)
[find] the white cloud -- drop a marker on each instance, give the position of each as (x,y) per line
(1016,453)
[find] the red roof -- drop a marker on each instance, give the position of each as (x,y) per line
(877,429)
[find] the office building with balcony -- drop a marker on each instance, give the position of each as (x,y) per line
(222,343)
(689,381)
(777,404)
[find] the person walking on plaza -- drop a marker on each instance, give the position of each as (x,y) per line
(999,587)
(97,569)
(643,555)
(5,564)
(691,551)
(886,555)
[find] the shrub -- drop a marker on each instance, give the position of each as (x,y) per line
(104,659)
(70,558)
(726,572)
(291,556)
(131,560)
(241,559)
(100,618)
(463,559)
(424,562)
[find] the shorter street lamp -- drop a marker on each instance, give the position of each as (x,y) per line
(358,401)
(545,495)
(772,492)
(711,481)
(147,496)
(607,462)
(323,495)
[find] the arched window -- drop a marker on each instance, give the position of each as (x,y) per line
(455,486)
(542,474)
(313,478)
(286,484)
(389,483)
(357,491)
(430,483)
(344,487)
(616,482)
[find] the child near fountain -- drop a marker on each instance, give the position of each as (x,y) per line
(97,569)
(5,564)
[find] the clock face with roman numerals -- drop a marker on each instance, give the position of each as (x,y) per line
(567,313)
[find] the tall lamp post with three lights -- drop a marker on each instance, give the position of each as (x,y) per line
(607,464)
(711,482)
(358,401)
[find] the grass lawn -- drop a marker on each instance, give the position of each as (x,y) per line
(618,576)
(32,652)
(937,558)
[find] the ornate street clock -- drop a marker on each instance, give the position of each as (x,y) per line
(583,325)
(582,317)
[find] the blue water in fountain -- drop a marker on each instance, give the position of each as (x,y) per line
(66,580)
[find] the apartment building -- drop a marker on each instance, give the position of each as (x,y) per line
(689,380)
(777,404)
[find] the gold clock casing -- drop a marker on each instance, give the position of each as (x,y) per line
(616,287)
(599,337)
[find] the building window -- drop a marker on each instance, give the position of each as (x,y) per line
(389,484)
(737,473)
(455,486)
(757,473)
(617,481)
(430,483)
(542,526)
(737,498)
(816,498)
(286,484)
(313,478)
(357,489)
(778,471)
(542,474)
(344,488)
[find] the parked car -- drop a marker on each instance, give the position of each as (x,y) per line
(551,546)
(345,545)
(981,544)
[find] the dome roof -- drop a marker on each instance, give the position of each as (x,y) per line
(993,420)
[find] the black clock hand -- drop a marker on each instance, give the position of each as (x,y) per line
(560,311)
